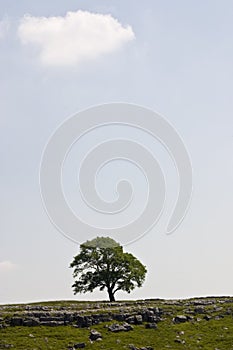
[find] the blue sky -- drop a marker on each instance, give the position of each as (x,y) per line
(178,61)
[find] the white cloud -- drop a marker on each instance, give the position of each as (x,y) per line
(75,38)
(4,27)
(7,266)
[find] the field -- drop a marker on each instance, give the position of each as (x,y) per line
(205,323)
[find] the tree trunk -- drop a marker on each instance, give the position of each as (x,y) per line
(111,295)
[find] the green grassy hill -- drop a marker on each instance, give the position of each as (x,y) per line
(200,323)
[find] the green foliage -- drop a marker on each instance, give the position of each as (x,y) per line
(101,242)
(102,264)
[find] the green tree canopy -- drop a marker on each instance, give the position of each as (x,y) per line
(102,264)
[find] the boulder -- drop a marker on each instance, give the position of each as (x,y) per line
(85,321)
(138,319)
(199,310)
(180,319)
(16,321)
(207,317)
(79,346)
(127,327)
(50,319)
(151,325)
(180,341)
(94,335)
(154,319)
(130,319)
(119,317)
(30,322)
(115,327)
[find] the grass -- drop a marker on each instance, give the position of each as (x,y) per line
(207,335)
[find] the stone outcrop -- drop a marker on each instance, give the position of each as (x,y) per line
(115,327)
(41,316)
(132,313)
(94,335)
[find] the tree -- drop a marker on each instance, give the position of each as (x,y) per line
(102,264)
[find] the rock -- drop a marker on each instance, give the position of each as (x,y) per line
(218,308)
(228,312)
(157,311)
(130,319)
(218,317)
(199,310)
(51,319)
(138,319)
(51,323)
(84,321)
(180,319)
(115,328)
(94,335)
(146,314)
(16,321)
(127,327)
(88,321)
(181,333)
(151,326)
(68,317)
(30,322)
(154,319)
(119,317)
(104,318)
(79,345)
(178,340)
(207,317)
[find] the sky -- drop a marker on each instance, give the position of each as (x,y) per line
(57,59)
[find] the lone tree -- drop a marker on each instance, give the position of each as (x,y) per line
(102,264)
